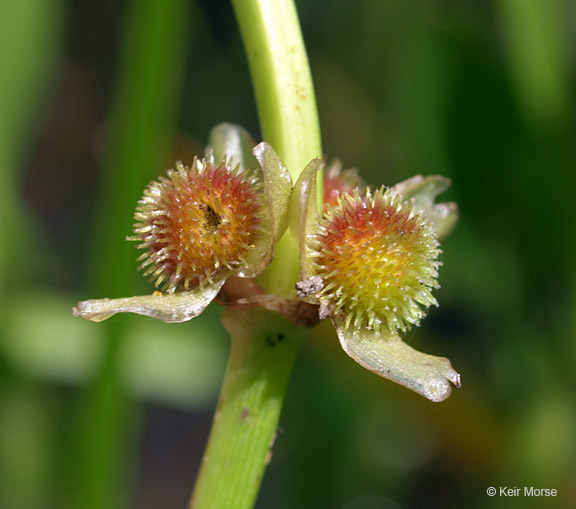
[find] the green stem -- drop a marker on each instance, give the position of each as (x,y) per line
(264,345)
(286,105)
(261,360)
(281,78)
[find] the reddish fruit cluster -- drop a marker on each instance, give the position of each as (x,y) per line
(197,224)
(377,259)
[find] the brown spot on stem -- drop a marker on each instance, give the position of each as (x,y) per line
(244,414)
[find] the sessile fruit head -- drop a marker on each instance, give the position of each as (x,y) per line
(197,224)
(378,260)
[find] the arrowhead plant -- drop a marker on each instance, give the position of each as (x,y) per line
(282,244)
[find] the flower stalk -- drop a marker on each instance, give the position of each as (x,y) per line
(264,349)
(286,106)
(264,345)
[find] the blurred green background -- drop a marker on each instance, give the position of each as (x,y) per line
(99,97)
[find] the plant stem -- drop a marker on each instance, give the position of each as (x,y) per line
(281,78)
(264,349)
(286,106)
(264,345)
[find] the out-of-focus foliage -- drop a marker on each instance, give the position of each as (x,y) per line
(478,91)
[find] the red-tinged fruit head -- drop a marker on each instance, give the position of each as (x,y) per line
(377,258)
(198,224)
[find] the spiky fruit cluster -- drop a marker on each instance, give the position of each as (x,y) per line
(197,224)
(378,261)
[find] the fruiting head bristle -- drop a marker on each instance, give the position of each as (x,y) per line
(378,261)
(197,224)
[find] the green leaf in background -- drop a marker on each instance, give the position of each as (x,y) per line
(143,115)
(30,36)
